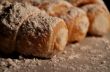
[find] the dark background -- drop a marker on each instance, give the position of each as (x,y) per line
(107,3)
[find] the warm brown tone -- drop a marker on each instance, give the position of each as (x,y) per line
(81,2)
(43,30)
(99,19)
(98,15)
(11,18)
(77,23)
(75,18)
(29,31)
(55,7)
(42,36)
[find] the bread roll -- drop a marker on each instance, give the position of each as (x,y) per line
(11,18)
(99,19)
(77,23)
(55,7)
(75,18)
(42,36)
(80,3)
(30,31)
(101,2)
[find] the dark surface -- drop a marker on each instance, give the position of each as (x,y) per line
(90,55)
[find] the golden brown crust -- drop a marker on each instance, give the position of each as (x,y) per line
(55,7)
(31,31)
(99,19)
(75,18)
(40,35)
(77,23)
(81,3)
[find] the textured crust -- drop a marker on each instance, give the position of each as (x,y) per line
(77,23)
(41,36)
(55,7)
(81,3)
(11,19)
(99,19)
(75,18)
(30,31)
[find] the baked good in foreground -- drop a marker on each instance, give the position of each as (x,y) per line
(30,31)
(11,18)
(42,36)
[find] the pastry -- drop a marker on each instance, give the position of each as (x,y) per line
(99,19)
(42,36)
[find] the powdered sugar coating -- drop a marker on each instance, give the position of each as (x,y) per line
(37,36)
(11,18)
